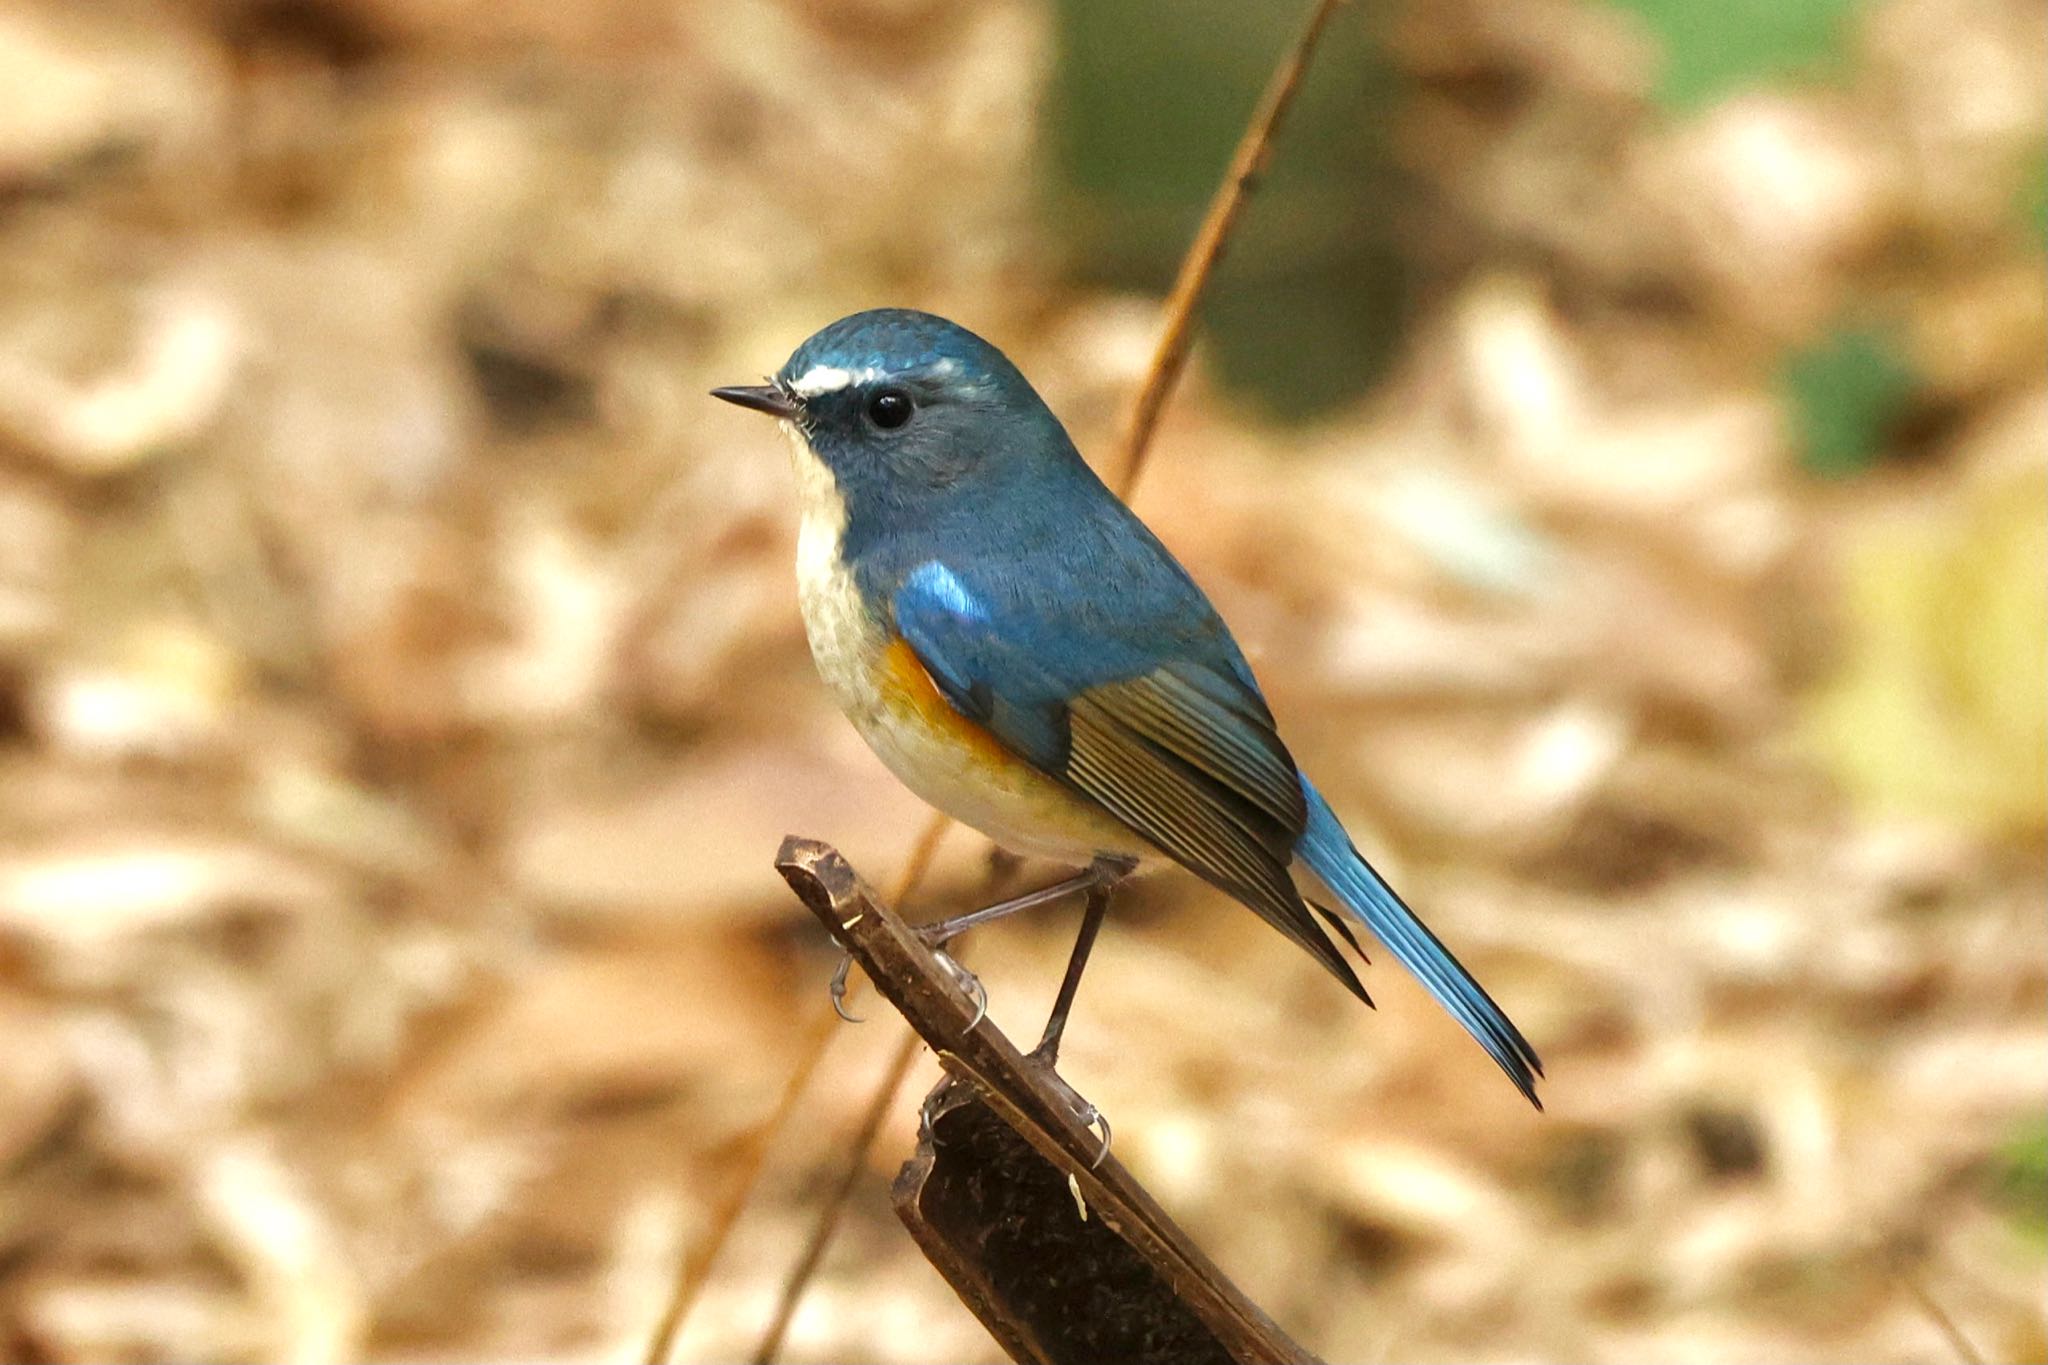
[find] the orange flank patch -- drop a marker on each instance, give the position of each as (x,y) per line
(908,690)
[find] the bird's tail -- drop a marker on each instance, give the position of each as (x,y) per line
(1329,853)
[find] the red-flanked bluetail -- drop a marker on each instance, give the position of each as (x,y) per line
(1027,656)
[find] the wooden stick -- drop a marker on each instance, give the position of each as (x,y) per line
(1184,1292)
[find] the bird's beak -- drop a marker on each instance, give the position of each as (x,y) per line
(760,397)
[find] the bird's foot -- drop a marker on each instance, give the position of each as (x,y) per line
(838,989)
(969,984)
(1084,1111)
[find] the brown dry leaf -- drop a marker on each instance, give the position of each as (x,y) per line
(402,692)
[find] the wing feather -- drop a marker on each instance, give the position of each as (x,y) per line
(1181,750)
(1223,840)
(1232,745)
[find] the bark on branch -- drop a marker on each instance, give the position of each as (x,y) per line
(1066,1260)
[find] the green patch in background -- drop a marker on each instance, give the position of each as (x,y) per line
(1846,393)
(2033,205)
(1712,48)
(2020,1179)
(1149,98)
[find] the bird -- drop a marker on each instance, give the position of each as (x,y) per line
(1024,654)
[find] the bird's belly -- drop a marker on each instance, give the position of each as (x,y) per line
(963,770)
(941,755)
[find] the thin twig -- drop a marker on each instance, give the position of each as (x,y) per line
(836,1201)
(1127,465)
(1909,1276)
(921,855)
(696,1269)
(1169,358)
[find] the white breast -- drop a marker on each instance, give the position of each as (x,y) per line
(846,640)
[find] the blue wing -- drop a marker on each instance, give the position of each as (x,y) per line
(1153,720)
(1120,680)
(1079,641)
(1182,749)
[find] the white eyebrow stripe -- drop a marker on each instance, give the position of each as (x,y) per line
(828,379)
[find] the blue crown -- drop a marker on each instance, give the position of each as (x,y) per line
(898,341)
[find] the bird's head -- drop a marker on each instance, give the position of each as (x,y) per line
(900,407)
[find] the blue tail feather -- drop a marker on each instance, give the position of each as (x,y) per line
(1328,851)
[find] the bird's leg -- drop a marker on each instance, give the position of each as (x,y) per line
(1048,1049)
(941,932)
(1099,880)
(937,936)
(1108,874)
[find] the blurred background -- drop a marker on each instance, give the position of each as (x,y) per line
(1619,436)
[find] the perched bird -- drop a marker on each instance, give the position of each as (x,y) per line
(1024,654)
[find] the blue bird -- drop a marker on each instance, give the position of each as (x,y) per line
(1024,654)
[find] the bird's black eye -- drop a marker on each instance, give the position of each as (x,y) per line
(889,409)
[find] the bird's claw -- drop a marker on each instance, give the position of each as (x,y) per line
(1083,1110)
(967,981)
(838,989)
(1096,1118)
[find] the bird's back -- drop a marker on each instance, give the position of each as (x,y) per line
(1076,579)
